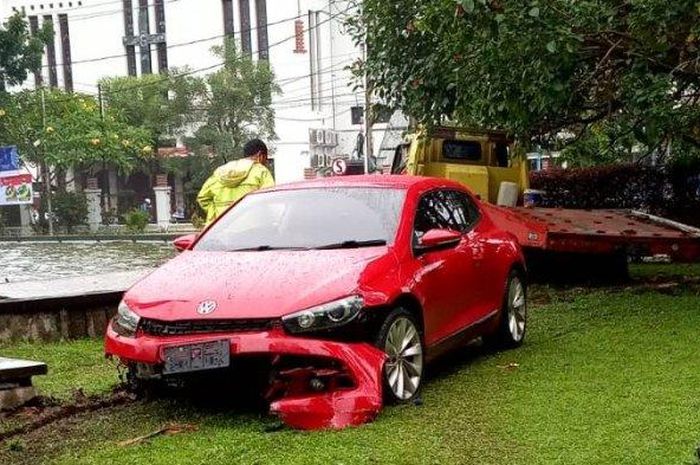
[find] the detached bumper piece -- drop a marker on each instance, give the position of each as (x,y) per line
(314,384)
(316,397)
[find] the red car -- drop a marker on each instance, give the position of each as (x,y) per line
(343,288)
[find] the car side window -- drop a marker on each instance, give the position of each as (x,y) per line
(445,209)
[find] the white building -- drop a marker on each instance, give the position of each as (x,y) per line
(303,40)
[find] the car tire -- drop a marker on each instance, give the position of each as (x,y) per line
(141,388)
(513,318)
(400,338)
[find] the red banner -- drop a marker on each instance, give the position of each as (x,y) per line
(16,189)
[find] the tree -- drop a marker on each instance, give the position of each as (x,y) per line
(615,76)
(20,52)
(61,129)
(162,104)
(56,130)
(237,104)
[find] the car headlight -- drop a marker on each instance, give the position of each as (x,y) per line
(326,316)
(125,321)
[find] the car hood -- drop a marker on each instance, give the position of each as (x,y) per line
(266,284)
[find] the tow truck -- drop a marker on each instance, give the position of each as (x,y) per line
(586,243)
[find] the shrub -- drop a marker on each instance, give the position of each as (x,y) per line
(70,209)
(197,221)
(110,216)
(136,221)
(610,186)
(672,191)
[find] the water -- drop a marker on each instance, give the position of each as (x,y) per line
(34,261)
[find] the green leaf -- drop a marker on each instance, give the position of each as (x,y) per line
(468,5)
(534,12)
(551,46)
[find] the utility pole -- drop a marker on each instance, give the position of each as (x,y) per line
(332,65)
(106,199)
(368,112)
(46,173)
(100,101)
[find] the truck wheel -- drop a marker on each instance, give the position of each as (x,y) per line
(513,320)
(399,337)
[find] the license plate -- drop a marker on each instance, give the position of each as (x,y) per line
(195,357)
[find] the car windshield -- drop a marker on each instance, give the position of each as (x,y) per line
(313,218)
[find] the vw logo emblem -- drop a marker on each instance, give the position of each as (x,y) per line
(206,307)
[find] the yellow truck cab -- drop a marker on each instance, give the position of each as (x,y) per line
(481,160)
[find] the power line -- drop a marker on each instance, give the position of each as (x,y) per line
(180,44)
(210,67)
(309,120)
(207,68)
(97,14)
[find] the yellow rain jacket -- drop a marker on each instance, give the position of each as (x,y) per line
(230,183)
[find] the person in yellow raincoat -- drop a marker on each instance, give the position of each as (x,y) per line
(234,180)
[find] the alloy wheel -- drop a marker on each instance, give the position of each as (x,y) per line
(517,309)
(404,368)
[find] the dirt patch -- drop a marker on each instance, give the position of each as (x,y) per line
(43,411)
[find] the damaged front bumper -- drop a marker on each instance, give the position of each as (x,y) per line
(344,391)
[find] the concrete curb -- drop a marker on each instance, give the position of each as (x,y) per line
(162,237)
(56,318)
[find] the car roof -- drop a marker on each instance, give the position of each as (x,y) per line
(389,181)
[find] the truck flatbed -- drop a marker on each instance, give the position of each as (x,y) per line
(600,232)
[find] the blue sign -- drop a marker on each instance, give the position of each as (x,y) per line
(9,158)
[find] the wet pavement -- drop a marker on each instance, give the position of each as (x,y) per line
(39,261)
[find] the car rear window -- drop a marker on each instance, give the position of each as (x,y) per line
(467,150)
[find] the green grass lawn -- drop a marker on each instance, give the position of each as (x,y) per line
(607,376)
(74,364)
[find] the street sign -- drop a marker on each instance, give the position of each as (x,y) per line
(9,158)
(339,167)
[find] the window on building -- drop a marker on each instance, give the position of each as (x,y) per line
(227,7)
(244,16)
(261,32)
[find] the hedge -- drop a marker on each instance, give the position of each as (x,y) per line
(672,191)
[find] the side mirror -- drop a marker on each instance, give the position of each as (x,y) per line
(184,242)
(438,239)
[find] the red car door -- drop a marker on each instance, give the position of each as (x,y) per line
(448,277)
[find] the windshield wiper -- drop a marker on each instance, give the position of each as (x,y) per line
(262,248)
(352,244)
